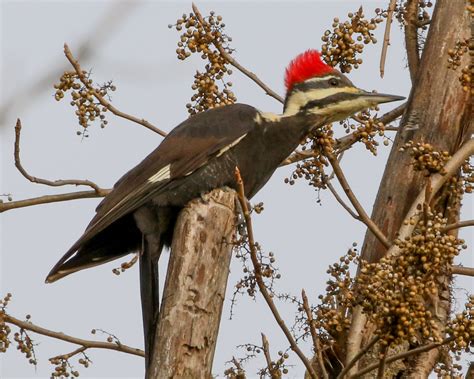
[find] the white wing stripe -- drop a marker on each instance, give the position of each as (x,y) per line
(163,174)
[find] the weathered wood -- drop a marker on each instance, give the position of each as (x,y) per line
(438,112)
(195,287)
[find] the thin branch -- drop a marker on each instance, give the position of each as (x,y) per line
(52,183)
(457,225)
(364,217)
(259,278)
(411,37)
(102,100)
(314,336)
(70,355)
(461,270)
(89,344)
(236,64)
(358,356)
(386,37)
(340,201)
(381,368)
(403,355)
(6,206)
(268,358)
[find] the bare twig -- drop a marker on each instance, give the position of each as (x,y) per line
(236,64)
(69,355)
(381,368)
(386,37)
(259,278)
(102,100)
(411,37)
(268,358)
(457,225)
(461,270)
(52,183)
(314,336)
(6,206)
(403,355)
(358,356)
(86,344)
(364,217)
(340,201)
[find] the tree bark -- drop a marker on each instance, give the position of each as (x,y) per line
(438,112)
(195,287)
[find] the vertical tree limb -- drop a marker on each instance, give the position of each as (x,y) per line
(411,38)
(439,113)
(193,296)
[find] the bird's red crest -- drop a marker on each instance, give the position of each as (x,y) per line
(305,66)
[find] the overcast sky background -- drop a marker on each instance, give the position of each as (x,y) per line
(135,48)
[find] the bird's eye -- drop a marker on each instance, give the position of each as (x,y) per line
(334,82)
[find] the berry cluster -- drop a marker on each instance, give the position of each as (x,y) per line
(423,15)
(83,98)
(456,54)
(346,41)
(4,327)
(426,158)
(25,344)
(321,141)
(277,368)
(337,302)
(395,291)
(367,129)
(64,369)
(202,37)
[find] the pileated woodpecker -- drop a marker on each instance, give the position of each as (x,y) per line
(201,154)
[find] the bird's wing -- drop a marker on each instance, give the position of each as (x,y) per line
(186,148)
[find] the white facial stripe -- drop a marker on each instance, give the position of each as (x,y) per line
(163,174)
(343,109)
(298,99)
(320,79)
(224,149)
(266,116)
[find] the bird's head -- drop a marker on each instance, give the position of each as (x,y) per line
(314,87)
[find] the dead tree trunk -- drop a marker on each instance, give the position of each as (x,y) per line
(438,112)
(195,287)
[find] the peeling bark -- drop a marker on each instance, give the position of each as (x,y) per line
(438,112)
(195,286)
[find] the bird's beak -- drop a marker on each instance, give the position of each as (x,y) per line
(378,98)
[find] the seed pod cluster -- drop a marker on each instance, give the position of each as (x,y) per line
(5,329)
(342,45)
(366,131)
(277,368)
(396,290)
(63,367)
(320,142)
(426,158)
(201,38)
(338,300)
(25,344)
(83,98)
(423,14)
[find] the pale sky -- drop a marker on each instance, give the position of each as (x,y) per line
(136,50)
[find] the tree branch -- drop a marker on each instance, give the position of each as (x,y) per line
(268,358)
(52,199)
(102,100)
(314,335)
(259,278)
(236,64)
(86,344)
(411,38)
(52,183)
(457,225)
(403,355)
(434,184)
(355,203)
(386,37)
(358,356)
(461,270)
